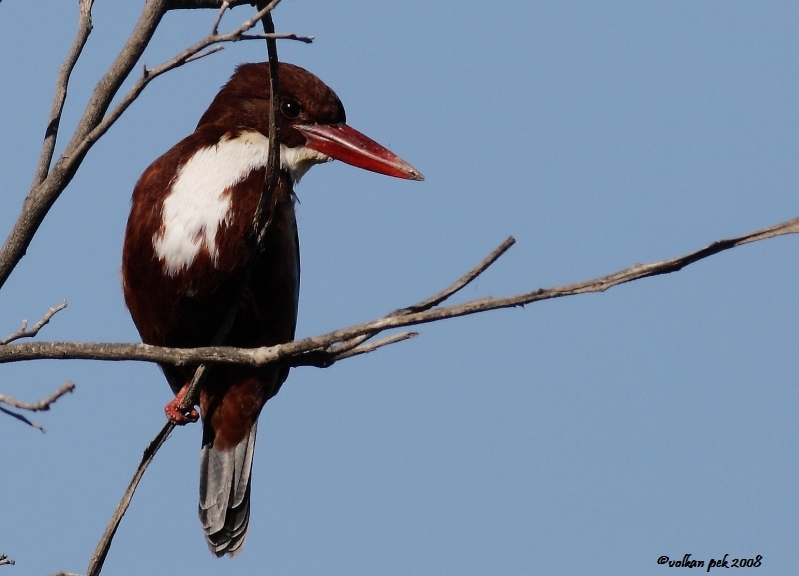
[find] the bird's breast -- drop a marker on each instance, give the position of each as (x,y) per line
(190,237)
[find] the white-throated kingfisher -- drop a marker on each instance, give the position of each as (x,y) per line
(190,239)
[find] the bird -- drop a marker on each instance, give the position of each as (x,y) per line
(190,239)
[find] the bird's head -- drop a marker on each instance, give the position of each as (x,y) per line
(313,126)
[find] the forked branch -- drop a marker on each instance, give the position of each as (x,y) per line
(39,406)
(48,184)
(42,405)
(25,332)
(326,349)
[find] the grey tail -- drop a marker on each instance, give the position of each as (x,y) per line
(225,495)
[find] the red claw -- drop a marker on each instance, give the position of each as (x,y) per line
(175,412)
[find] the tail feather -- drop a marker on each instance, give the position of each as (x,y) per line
(225,495)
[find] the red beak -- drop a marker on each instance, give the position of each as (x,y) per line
(343,143)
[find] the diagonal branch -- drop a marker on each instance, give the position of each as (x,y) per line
(60,96)
(462,282)
(338,350)
(98,558)
(95,122)
(42,196)
(188,55)
(23,419)
(222,9)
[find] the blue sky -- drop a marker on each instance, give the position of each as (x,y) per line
(590,434)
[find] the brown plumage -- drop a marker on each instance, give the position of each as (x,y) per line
(189,239)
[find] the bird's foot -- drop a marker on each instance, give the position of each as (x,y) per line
(176,413)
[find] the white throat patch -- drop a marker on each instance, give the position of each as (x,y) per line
(297,161)
(197,203)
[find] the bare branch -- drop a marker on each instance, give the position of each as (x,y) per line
(95,122)
(122,352)
(350,344)
(24,333)
(215,29)
(23,419)
(357,351)
(296,353)
(208,52)
(462,282)
(42,196)
(60,96)
(338,350)
(401,337)
(278,36)
(96,562)
(41,405)
(192,53)
(200,4)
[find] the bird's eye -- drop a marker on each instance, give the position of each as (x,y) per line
(290,108)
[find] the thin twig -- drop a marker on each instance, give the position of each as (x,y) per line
(292,352)
(262,219)
(41,405)
(23,332)
(337,350)
(188,55)
(23,419)
(96,121)
(96,562)
(462,281)
(278,36)
(41,197)
(208,52)
(201,4)
(394,338)
(350,344)
(60,96)
(215,28)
